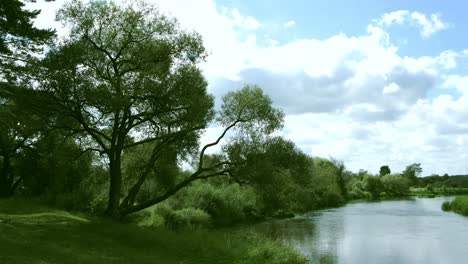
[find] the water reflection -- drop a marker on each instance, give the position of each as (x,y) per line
(407,231)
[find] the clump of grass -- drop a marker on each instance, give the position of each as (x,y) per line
(460,205)
(446,206)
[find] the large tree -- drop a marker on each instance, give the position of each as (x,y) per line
(19,42)
(19,39)
(127,77)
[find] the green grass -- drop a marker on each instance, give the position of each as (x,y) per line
(39,235)
(458,205)
(423,192)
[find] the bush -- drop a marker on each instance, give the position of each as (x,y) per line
(266,251)
(226,204)
(331,199)
(175,219)
(460,205)
(446,206)
(395,185)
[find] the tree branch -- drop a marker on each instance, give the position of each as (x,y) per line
(195,176)
(202,153)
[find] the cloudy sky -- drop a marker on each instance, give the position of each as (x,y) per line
(367,82)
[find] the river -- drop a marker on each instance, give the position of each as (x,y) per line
(403,231)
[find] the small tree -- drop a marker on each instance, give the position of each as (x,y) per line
(384,170)
(374,186)
(412,172)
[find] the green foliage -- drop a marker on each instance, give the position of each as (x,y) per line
(395,185)
(384,170)
(430,188)
(374,186)
(412,172)
(225,203)
(458,205)
(19,39)
(446,206)
(253,109)
(282,176)
(187,217)
(265,251)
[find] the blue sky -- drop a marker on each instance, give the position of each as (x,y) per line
(321,19)
(371,83)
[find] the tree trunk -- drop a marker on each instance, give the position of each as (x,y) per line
(115,186)
(5,178)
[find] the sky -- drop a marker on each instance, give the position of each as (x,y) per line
(367,82)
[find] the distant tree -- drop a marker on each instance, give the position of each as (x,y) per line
(280,173)
(395,185)
(374,186)
(341,177)
(384,170)
(412,172)
(362,173)
(430,188)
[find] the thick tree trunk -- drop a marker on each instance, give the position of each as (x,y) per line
(115,186)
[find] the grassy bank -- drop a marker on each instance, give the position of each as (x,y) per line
(424,192)
(34,234)
(458,205)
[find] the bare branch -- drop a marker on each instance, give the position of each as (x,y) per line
(202,153)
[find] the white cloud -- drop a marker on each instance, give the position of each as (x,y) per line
(391,88)
(289,24)
(428,25)
(247,22)
(395,17)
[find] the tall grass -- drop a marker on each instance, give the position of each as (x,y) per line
(458,205)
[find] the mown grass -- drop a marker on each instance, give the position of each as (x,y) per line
(35,234)
(458,205)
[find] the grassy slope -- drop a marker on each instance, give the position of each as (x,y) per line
(34,234)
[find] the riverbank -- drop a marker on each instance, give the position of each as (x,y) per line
(424,192)
(32,233)
(458,205)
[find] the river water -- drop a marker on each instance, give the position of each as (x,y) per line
(403,231)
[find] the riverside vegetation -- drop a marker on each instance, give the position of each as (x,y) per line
(106,123)
(458,205)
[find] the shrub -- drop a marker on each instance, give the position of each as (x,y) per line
(266,251)
(226,204)
(460,205)
(331,199)
(446,206)
(175,219)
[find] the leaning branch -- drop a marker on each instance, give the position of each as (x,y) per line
(195,176)
(202,153)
